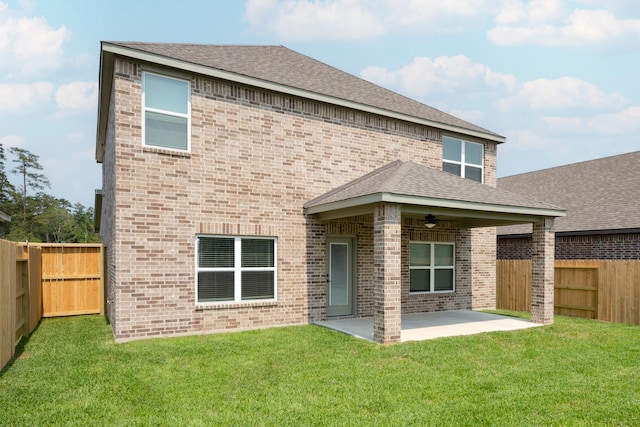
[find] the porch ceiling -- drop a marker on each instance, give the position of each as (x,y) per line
(422,191)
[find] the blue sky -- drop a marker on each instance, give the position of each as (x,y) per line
(559,79)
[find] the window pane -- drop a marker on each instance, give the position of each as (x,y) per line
(257,285)
(419,254)
(473,153)
(339,274)
(215,286)
(444,255)
(473,173)
(162,130)
(166,94)
(443,280)
(257,253)
(451,168)
(215,252)
(451,149)
(419,280)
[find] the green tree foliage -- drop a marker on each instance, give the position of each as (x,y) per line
(40,217)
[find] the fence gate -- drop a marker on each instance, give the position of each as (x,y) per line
(576,292)
(71,279)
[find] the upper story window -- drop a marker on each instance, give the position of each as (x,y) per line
(167,112)
(462,158)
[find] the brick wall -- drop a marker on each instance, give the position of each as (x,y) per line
(255,158)
(599,246)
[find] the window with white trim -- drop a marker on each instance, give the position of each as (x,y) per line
(235,269)
(431,267)
(167,112)
(463,158)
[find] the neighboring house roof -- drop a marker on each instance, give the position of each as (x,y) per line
(4,217)
(599,195)
(284,70)
(409,183)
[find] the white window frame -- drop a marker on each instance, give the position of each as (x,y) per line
(433,267)
(463,162)
(237,269)
(166,112)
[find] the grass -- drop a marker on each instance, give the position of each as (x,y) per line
(575,372)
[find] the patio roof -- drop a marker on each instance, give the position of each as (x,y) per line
(422,190)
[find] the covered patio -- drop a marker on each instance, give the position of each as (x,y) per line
(440,324)
(406,190)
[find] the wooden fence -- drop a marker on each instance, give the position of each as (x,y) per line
(600,289)
(45,280)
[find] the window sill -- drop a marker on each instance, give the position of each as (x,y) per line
(417,293)
(201,306)
(168,151)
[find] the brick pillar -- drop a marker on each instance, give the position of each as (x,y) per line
(543,260)
(387,273)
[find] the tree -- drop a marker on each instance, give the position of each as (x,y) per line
(27,166)
(6,188)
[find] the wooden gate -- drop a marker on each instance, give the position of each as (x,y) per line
(72,279)
(576,291)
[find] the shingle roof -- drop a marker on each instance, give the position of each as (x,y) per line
(411,179)
(283,66)
(598,194)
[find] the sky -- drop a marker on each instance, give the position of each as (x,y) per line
(559,79)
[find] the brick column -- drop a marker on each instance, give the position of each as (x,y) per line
(387,273)
(543,260)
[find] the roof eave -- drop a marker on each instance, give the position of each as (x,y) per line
(114,49)
(433,202)
(105,81)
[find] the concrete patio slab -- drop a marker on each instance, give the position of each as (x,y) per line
(426,326)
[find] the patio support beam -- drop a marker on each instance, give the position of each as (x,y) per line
(543,259)
(387,273)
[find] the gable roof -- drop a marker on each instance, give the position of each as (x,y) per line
(284,70)
(598,195)
(413,184)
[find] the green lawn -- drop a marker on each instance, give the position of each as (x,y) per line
(575,372)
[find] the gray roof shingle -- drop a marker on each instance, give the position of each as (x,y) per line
(283,66)
(601,194)
(411,179)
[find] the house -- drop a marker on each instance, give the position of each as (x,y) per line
(4,218)
(601,201)
(252,186)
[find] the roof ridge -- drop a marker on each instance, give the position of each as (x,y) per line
(397,177)
(591,161)
(353,182)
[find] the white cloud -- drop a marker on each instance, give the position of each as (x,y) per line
(440,15)
(363,19)
(77,97)
(623,122)
(445,74)
(15,97)
(11,140)
(558,94)
(525,139)
(309,20)
(550,23)
(29,45)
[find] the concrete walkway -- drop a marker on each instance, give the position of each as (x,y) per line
(426,326)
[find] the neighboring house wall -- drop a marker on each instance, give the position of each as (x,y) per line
(256,157)
(622,246)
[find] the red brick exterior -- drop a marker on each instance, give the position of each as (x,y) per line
(256,157)
(619,246)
